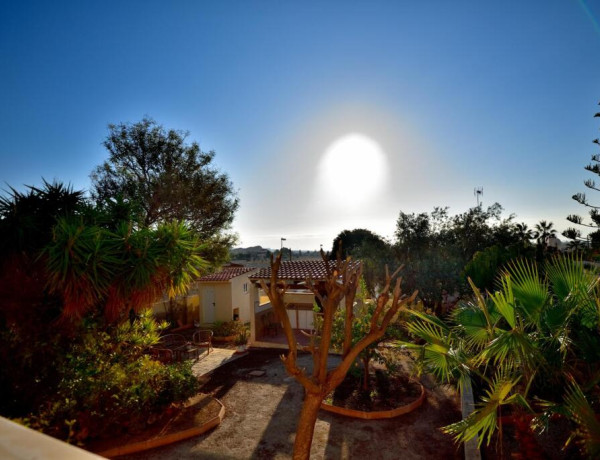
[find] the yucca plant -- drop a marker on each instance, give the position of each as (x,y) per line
(92,267)
(520,344)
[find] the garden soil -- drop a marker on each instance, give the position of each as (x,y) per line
(262,410)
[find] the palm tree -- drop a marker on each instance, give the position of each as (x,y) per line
(523,342)
(523,233)
(26,222)
(27,218)
(543,231)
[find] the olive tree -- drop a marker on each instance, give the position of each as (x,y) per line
(166,178)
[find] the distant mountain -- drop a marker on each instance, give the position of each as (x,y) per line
(250,250)
(255,254)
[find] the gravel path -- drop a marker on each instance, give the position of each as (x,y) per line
(262,412)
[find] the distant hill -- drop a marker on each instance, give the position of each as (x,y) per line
(259,256)
(250,250)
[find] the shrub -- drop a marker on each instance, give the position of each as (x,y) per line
(109,384)
(241,338)
(227,328)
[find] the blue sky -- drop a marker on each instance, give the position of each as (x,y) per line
(456,94)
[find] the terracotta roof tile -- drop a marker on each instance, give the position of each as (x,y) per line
(227,273)
(298,270)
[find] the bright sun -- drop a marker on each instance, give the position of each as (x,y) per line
(353,169)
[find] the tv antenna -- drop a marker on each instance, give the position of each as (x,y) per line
(478,192)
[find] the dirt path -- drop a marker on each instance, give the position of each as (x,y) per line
(261,415)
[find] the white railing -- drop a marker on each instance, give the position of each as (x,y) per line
(19,442)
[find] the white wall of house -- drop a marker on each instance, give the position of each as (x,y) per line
(240,297)
(254,299)
(229,297)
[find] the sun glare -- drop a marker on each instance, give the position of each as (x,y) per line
(353,169)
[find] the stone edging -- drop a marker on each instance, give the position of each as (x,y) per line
(377,414)
(167,439)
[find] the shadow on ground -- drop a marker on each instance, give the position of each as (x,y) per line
(262,412)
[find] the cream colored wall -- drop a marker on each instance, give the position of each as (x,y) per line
(254,300)
(223,310)
(193,304)
(160,309)
(229,295)
(242,299)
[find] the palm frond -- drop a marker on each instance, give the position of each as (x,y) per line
(429,332)
(568,275)
(471,323)
(573,284)
(513,349)
(504,300)
(483,421)
(528,288)
(581,412)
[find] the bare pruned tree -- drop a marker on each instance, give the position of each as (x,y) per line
(340,283)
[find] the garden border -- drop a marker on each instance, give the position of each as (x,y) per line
(374,415)
(167,439)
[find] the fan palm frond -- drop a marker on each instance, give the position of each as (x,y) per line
(581,412)
(530,290)
(504,300)
(484,420)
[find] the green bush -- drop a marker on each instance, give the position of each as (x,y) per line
(227,328)
(109,384)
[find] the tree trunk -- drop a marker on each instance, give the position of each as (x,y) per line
(306,425)
(365,361)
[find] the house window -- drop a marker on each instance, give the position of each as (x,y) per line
(245,287)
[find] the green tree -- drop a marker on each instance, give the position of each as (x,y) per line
(165,179)
(363,309)
(109,383)
(594,211)
(350,240)
(413,234)
(437,247)
(27,220)
(373,251)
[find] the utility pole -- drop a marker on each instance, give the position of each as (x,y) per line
(478,192)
